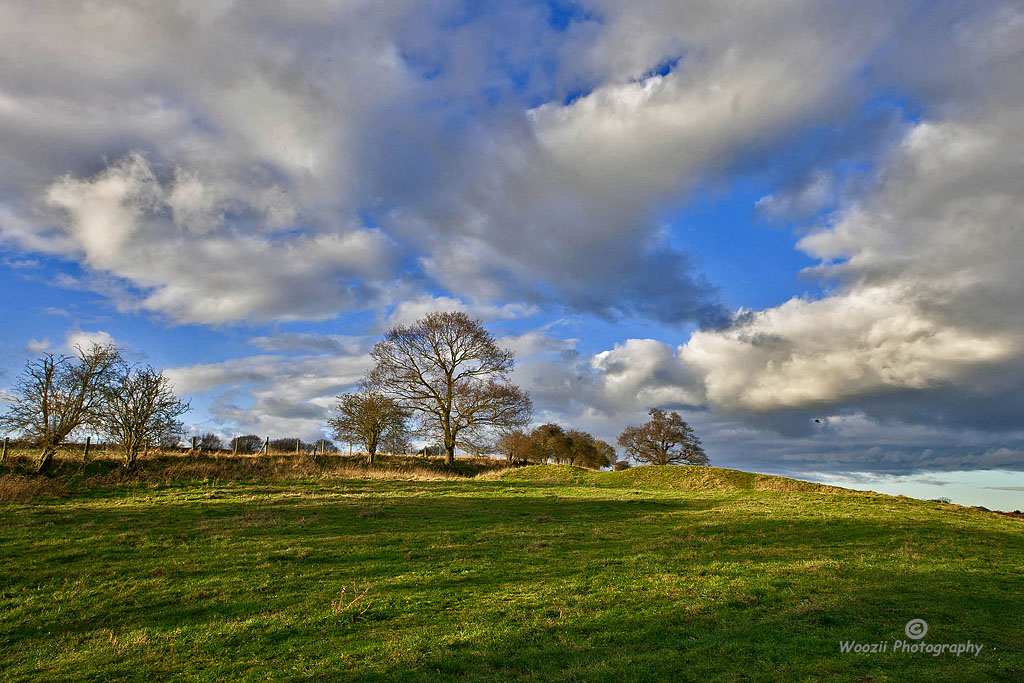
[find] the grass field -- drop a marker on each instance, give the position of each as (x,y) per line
(541,573)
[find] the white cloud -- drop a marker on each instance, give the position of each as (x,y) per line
(85,340)
(256,146)
(118,220)
(808,353)
(37,345)
(803,201)
(310,341)
(409,310)
(923,319)
(271,394)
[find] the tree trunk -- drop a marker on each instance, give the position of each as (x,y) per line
(449,454)
(45,458)
(370,453)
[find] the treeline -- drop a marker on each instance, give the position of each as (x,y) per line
(443,380)
(552,443)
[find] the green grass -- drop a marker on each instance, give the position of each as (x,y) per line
(542,573)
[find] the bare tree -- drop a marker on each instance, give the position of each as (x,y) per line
(551,443)
(665,439)
(57,395)
(139,410)
(169,441)
(582,449)
(573,446)
(210,442)
(325,446)
(246,445)
(449,370)
(397,441)
(516,445)
(369,418)
(604,454)
(289,444)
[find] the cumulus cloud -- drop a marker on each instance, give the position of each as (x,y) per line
(222,161)
(119,221)
(922,320)
(810,353)
(80,339)
(803,201)
(273,394)
(409,310)
(37,345)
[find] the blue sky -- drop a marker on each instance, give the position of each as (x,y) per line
(796,223)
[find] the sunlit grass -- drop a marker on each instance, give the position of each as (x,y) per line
(538,575)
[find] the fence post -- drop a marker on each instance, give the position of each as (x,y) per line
(193,451)
(3,458)
(297,445)
(85,453)
(266,447)
(234,446)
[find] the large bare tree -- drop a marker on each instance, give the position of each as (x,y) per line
(140,410)
(58,394)
(665,439)
(449,370)
(370,418)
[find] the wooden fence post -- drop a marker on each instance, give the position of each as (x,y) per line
(193,451)
(297,446)
(85,453)
(266,447)
(3,458)
(234,446)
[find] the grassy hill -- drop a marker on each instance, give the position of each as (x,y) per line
(541,573)
(665,479)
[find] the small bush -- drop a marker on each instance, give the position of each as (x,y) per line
(352,604)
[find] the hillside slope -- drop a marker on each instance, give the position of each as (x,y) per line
(537,574)
(666,479)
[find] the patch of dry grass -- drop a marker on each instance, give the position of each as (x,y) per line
(69,472)
(19,487)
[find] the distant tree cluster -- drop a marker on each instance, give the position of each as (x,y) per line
(210,442)
(289,445)
(247,444)
(251,444)
(443,379)
(552,443)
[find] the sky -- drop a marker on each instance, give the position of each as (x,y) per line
(799,224)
